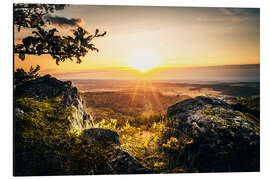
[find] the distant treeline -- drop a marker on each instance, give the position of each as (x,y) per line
(138,107)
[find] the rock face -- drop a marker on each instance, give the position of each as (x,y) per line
(48,87)
(100,135)
(223,139)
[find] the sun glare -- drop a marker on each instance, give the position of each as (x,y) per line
(143,61)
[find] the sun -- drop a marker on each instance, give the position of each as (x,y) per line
(143,61)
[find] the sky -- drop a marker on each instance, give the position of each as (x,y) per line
(181,43)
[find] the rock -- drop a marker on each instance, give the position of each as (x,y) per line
(124,163)
(47,87)
(101,135)
(223,139)
(18,112)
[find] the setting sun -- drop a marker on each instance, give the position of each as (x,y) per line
(143,61)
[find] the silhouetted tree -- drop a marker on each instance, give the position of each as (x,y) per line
(44,41)
(21,76)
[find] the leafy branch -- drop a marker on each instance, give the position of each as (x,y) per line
(59,47)
(21,76)
(44,41)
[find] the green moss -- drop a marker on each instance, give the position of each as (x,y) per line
(46,145)
(224,116)
(253,120)
(41,133)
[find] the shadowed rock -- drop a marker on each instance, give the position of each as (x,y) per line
(122,162)
(101,135)
(223,139)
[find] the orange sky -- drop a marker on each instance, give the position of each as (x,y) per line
(179,37)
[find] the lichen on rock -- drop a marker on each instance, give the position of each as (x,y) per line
(47,87)
(224,138)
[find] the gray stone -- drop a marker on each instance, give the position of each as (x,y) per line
(101,135)
(47,87)
(211,121)
(124,163)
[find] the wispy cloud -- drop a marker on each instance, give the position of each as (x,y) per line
(230,11)
(242,12)
(231,19)
(233,15)
(63,21)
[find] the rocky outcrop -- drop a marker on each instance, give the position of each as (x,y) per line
(65,152)
(47,87)
(100,135)
(223,139)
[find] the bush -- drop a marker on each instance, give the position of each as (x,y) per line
(21,76)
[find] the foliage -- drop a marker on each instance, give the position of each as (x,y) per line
(146,146)
(45,41)
(90,159)
(21,76)
(31,15)
(46,145)
(41,136)
(149,147)
(141,111)
(172,143)
(143,134)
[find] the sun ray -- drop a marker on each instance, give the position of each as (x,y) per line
(134,93)
(156,98)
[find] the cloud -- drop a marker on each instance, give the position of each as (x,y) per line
(230,11)
(233,15)
(64,22)
(240,11)
(233,19)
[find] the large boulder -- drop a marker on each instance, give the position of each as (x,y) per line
(223,139)
(47,87)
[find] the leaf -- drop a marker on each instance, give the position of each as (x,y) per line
(39,49)
(43,45)
(22,56)
(97,30)
(79,60)
(27,41)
